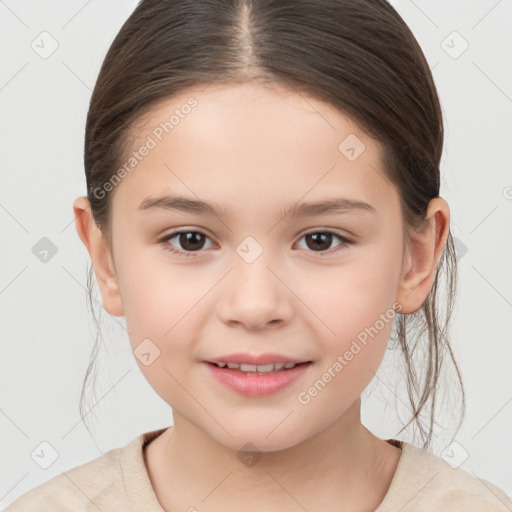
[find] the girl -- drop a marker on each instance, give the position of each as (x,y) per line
(263,209)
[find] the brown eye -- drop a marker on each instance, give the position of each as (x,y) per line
(189,240)
(321,241)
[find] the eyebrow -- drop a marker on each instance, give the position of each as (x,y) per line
(189,205)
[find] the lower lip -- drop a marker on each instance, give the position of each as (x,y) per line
(257,384)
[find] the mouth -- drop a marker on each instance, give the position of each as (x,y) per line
(257,380)
(263,369)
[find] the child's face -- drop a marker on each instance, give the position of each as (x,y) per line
(256,283)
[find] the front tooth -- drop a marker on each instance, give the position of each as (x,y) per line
(289,365)
(248,367)
(279,366)
(233,365)
(265,367)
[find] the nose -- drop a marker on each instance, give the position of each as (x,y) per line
(255,295)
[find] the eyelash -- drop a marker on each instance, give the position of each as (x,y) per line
(165,242)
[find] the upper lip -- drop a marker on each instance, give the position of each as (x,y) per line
(256,359)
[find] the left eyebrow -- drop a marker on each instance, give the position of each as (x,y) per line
(190,205)
(336,206)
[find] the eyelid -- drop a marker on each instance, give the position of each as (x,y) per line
(167,246)
(344,241)
(334,231)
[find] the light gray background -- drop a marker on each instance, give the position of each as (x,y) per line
(46,330)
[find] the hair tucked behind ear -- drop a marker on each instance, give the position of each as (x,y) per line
(357,55)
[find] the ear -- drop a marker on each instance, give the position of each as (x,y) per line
(422,254)
(102,259)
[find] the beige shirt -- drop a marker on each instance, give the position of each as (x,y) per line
(118,482)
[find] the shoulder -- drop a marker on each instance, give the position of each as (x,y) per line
(96,485)
(73,489)
(425,482)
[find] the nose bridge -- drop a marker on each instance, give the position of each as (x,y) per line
(253,294)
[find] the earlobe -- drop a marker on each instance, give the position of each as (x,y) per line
(100,254)
(422,254)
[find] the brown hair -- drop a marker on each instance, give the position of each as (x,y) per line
(357,55)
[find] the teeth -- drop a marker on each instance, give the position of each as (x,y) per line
(261,368)
(248,367)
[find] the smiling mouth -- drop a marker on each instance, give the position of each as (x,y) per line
(260,368)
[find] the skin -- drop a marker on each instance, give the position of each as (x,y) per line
(256,149)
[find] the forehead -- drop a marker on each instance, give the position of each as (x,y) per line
(251,144)
(245,110)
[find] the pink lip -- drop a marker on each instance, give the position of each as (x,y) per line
(254,384)
(259,359)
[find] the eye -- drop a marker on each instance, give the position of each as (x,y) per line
(192,241)
(323,239)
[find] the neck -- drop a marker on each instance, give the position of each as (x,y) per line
(344,462)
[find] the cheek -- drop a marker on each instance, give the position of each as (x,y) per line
(354,294)
(161,312)
(169,305)
(353,346)
(155,298)
(355,306)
